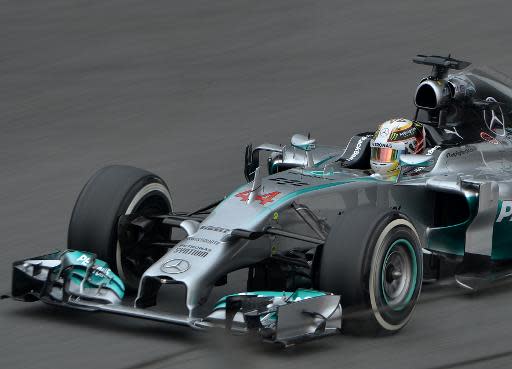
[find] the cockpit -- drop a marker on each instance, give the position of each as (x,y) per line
(457,104)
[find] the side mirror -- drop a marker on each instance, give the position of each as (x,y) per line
(413,160)
(302,142)
(409,160)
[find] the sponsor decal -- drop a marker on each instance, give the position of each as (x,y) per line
(263,198)
(378,144)
(193,250)
(175,266)
(315,174)
(403,135)
(432,150)
(454,132)
(460,153)
(203,240)
(383,132)
(215,229)
(494,117)
(357,149)
(100,271)
(417,171)
(505,211)
(84,260)
(285,181)
(487,137)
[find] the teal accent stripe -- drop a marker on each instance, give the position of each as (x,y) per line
(414,268)
(300,192)
(274,205)
(323,161)
(297,193)
(298,295)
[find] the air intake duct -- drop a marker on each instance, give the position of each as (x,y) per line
(433,94)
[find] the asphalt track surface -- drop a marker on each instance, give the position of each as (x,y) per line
(179,88)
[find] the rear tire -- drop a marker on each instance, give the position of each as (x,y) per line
(111,192)
(373,259)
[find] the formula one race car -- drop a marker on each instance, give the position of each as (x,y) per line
(318,233)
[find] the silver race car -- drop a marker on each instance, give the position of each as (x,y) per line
(317,234)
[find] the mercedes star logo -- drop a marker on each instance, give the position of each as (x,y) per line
(175,266)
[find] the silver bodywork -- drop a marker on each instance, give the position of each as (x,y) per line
(478,172)
(295,209)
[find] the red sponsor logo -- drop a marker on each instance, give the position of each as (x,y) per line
(487,137)
(263,198)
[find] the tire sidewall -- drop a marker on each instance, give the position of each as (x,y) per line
(355,250)
(111,192)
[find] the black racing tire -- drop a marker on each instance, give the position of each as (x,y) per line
(372,258)
(111,192)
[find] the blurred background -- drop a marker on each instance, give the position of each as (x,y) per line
(179,88)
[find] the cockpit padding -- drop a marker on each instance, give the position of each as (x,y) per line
(357,153)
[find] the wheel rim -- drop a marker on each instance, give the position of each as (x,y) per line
(399,274)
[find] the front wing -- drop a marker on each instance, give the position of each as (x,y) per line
(79,280)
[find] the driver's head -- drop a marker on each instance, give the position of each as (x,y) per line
(393,138)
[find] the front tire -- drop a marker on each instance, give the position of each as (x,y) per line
(376,266)
(111,192)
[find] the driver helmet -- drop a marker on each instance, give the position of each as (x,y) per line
(392,139)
